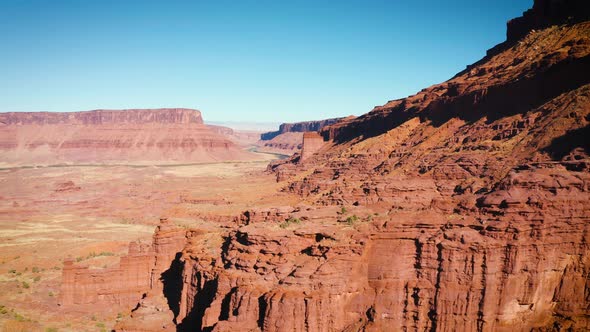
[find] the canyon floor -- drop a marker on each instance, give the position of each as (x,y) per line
(91,213)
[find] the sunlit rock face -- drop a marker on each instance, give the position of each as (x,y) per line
(108,136)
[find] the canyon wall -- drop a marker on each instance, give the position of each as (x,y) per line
(299,127)
(123,285)
(101,117)
(312,143)
(106,136)
(286,143)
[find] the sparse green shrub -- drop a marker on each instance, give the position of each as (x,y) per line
(26,285)
(51,329)
(79,259)
(289,222)
(37,278)
(100,325)
(20,318)
(94,254)
(343,210)
(13,271)
(352,219)
(50,294)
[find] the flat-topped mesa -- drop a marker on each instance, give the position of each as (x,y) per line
(102,117)
(299,127)
(143,136)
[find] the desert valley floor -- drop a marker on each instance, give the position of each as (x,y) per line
(91,213)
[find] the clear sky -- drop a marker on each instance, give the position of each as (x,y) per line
(238,60)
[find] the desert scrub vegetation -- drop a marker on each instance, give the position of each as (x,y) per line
(289,222)
(351,220)
(94,255)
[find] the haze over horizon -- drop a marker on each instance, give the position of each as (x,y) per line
(247,61)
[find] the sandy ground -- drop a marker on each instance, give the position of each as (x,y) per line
(91,213)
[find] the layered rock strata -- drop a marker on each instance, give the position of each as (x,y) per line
(107,136)
(286,143)
(299,127)
(312,143)
(138,272)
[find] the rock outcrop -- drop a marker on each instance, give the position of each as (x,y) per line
(140,271)
(286,143)
(106,136)
(312,143)
(300,127)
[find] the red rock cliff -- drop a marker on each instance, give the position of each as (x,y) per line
(106,136)
(299,127)
(101,117)
(141,271)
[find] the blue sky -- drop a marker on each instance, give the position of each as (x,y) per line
(254,60)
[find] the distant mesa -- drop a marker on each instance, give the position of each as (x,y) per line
(299,127)
(142,136)
(104,117)
(289,138)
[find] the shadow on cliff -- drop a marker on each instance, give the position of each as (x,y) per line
(205,295)
(172,281)
(572,140)
(494,102)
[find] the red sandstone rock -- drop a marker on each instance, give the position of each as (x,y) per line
(137,273)
(301,127)
(312,143)
(286,143)
(128,136)
(67,186)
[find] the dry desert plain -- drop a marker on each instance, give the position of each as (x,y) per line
(91,213)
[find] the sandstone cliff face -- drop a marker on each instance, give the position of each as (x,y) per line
(312,143)
(300,127)
(100,117)
(462,208)
(103,136)
(137,273)
(286,143)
